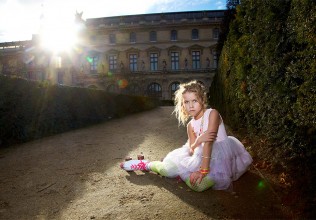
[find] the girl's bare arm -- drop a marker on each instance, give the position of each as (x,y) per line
(210,137)
(191,136)
(210,134)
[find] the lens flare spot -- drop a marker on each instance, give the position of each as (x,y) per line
(89,59)
(122,83)
(261,184)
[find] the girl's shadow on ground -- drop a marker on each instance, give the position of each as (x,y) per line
(249,197)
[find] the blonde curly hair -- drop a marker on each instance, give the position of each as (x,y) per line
(192,86)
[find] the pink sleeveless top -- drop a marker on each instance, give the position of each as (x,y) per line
(196,124)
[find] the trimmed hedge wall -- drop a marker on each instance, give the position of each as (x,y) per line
(31,110)
(267,77)
(266,84)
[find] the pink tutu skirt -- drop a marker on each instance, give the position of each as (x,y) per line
(229,160)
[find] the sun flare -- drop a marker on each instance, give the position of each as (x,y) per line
(58,36)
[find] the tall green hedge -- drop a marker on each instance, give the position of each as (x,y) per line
(267,76)
(30,110)
(266,83)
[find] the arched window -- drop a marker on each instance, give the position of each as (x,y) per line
(174,87)
(174,35)
(154,90)
(195,34)
(153,36)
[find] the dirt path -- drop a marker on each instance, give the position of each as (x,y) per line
(76,175)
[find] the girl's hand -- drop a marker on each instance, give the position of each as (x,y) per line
(196,177)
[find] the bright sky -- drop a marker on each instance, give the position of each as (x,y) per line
(19,19)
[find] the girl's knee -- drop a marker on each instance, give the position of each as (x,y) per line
(205,184)
(164,169)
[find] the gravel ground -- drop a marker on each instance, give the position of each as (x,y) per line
(76,175)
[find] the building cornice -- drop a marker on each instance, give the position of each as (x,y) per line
(156,20)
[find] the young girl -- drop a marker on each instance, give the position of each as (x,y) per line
(210,158)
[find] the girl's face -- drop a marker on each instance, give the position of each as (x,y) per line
(192,105)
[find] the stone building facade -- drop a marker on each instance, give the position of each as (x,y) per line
(148,54)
